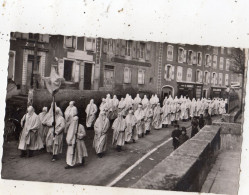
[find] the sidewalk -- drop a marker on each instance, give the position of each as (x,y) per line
(224,176)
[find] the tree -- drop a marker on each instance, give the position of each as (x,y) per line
(238,67)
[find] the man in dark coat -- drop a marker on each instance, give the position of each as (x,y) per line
(183,137)
(194,124)
(175,135)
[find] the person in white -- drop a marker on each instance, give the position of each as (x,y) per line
(157,117)
(137,101)
(184,111)
(145,101)
(148,115)
(198,107)
(43,131)
(70,112)
(166,114)
(119,126)
(29,137)
(178,109)
(130,131)
(101,127)
(76,149)
(114,108)
(121,106)
(91,111)
(173,111)
(54,140)
(103,105)
(139,114)
(193,108)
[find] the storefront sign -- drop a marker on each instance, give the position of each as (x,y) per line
(79,55)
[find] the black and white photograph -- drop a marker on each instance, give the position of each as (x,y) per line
(124,97)
(123,113)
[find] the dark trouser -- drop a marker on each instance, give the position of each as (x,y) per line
(176,144)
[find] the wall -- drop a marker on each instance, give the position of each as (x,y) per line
(230,135)
(187,167)
(64,96)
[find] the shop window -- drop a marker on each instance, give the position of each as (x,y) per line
(179,73)
(220,78)
(199,58)
(127,75)
(170,52)
(70,42)
(207,60)
(141,76)
(214,61)
(190,57)
(90,44)
(189,74)
(128,48)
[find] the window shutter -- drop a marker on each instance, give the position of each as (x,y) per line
(148,48)
(200,58)
(172,72)
(94,44)
(117,47)
(18,35)
(123,43)
(209,60)
(200,76)
(25,35)
(138,49)
(134,49)
(194,57)
(61,68)
(185,56)
(165,74)
(208,77)
(105,45)
(76,72)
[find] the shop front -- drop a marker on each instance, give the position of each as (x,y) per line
(191,90)
(218,92)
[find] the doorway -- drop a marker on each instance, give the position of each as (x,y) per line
(167,91)
(31,66)
(88,76)
(68,69)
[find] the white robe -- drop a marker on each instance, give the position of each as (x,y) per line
(130,131)
(75,153)
(101,127)
(91,110)
(139,114)
(29,137)
(118,127)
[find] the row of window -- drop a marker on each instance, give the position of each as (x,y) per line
(134,49)
(80,43)
(140,76)
(191,57)
(30,36)
(215,77)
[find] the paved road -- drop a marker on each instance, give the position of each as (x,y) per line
(96,171)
